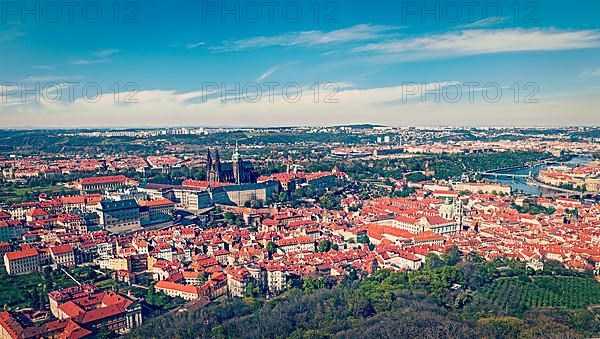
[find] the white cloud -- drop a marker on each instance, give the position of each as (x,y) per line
(329,53)
(383,105)
(266,73)
(195,44)
(275,68)
(89,61)
(46,67)
(356,33)
(101,57)
(344,85)
(105,52)
(485,22)
(589,73)
(51,78)
(10,34)
(484,41)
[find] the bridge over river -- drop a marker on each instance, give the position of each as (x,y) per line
(504,175)
(512,173)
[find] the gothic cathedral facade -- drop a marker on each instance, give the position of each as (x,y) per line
(236,171)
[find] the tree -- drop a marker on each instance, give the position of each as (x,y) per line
(330,202)
(151,295)
(507,327)
(462,299)
(42,299)
(104,333)
(432,261)
(271,248)
(310,284)
(34,299)
(91,274)
(324,246)
(364,308)
(452,257)
(476,275)
(362,238)
(252,289)
(48,278)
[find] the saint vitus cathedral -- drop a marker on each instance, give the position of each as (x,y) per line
(236,171)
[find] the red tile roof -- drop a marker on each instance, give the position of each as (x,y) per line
(295,241)
(37,212)
(176,287)
(156,203)
(62,249)
(427,236)
(22,254)
(103,180)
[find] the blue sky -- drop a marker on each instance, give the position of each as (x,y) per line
(374,52)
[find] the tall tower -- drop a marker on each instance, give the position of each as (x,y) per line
(217,166)
(237,164)
(213,168)
(209,166)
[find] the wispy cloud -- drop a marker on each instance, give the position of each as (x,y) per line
(89,61)
(266,73)
(195,44)
(105,52)
(485,22)
(345,85)
(60,87)
(358,33)
(100,57)
(589,73)
(52,78)
(329,53)
(275,68)
(483,41)
(10,34)
(46,67)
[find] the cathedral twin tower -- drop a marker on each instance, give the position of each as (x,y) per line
(236,171)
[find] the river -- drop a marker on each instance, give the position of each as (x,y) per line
(521,185)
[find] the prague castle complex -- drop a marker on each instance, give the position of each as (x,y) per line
(237,171)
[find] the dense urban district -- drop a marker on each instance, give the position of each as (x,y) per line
(345,231)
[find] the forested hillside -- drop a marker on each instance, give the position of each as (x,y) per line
(448,298)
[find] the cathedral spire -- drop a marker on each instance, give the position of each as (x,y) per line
(208,158)
(209,166)
(236,152)
(217,161)
(237,165)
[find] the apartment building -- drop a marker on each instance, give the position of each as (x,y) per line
(63,255)
(21,262)
(103,183)
(187,292)
(304,243)
(119,215)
